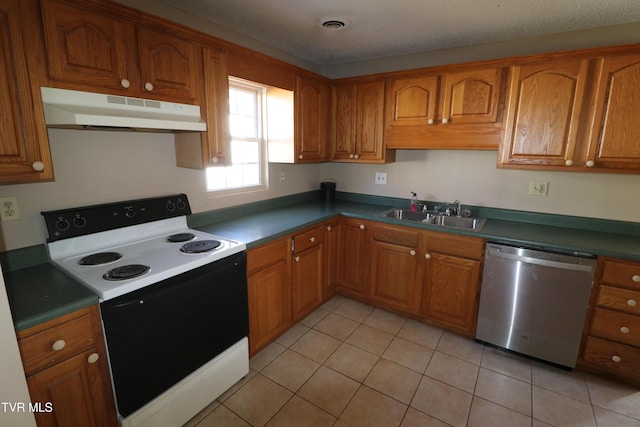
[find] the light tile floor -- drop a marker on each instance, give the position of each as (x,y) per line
(350,364)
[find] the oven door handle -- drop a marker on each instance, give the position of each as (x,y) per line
(126,304)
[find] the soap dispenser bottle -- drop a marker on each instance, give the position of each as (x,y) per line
(414,202)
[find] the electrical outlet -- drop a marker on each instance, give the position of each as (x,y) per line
(381,178)
(538,188)
(282,176)
(9,209)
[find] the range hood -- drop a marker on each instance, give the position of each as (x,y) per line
(87,110)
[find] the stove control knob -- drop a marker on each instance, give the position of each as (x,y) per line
(79,221)
(181,204)
(62,224)
(171,206)
(129,212)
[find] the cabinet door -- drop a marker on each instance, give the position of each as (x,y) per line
(85,47)
(412,101)
(269,292)
(24,150)
(353,265)
(394,276)
(369,135)
(615,136)
(308,279)
(76,390)
(450,292)
(311,120)
(471,96)
(331,257)
(544,107)
(168,65)
(343,122)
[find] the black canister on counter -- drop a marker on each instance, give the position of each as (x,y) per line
(328,191)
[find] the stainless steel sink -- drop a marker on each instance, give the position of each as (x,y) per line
(463,223)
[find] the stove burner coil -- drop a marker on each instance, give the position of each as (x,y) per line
(200,246)
(126,272)
(181,237)
(100,258)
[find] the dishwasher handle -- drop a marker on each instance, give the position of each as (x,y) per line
(540,261)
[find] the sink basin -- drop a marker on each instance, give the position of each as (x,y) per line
(463,223)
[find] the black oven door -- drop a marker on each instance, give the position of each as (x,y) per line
(158,335)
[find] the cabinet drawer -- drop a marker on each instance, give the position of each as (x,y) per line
(267,254)
(307,239)
(396,235)
(620,299)
(619,359)
(621,273)
(57,343)
(455,245)
(616,326)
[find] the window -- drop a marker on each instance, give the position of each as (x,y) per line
(248,167)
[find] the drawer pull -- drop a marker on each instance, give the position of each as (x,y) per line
(58,345)
(412,252)
(361,226)
(636,278)
(328,228)
(93,358)
(427,256)
(312,239)
(616,359)
(624,330)
(631,302)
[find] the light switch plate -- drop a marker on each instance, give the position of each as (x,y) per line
(381,178)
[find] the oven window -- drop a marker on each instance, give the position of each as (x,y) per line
(248,168)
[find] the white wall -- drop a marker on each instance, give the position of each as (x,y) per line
(99,167)
(472,177)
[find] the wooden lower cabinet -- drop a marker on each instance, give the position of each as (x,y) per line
(353,264)
(67,371)
(451,281)
(308,271)
(394,268)
(269,289)
(611,344)
(331,257)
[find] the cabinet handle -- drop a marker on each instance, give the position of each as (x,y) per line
(328,228)
(430,121)
(427,256)
(351,156)
(445,121)
(624,330)
(357,156)
(148,86)
(590,163)
(615,358)
(300,156)
(631,302)
(361,226)
(93,358)
(568,162)
(636,278)
(37,166)
(297,259)
(58,345)
(214,159)
(312,239)
(412,252)
(125,83)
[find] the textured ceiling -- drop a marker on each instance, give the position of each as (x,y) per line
(385,28)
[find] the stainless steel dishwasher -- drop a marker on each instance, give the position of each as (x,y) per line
(535,302)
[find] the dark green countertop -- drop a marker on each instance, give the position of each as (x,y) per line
(38,291)
(260,227)
(42,292)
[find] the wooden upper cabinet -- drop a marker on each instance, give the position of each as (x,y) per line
(92,50)
(449,110)
(546,103)
(358,123)
(84,47)
(614,141)
(311,120)
(412,101)
(24,151)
